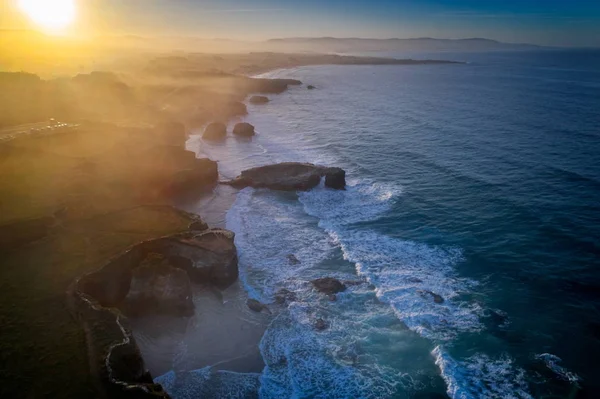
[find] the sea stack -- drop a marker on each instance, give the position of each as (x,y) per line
(244,129)
(215,131)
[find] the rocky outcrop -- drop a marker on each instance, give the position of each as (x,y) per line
(328,285)
(259,100)
(292,259)
(198,225)
(256,306)
(215,131)
(159,288)
(204,174)
(436,297)
(209,257)
(284,296)
(290,176)
(271,86)
(211,254)
(243,129)
(321,324)
(130,282)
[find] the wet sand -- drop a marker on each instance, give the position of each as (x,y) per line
(223,333)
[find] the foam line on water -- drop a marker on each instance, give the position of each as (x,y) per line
(481,377)
(209,383)
(553,363)
(407,275)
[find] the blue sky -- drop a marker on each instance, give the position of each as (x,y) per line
(554,22)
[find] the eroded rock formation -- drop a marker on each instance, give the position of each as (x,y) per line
(157,287)
(215,131)
(328,285)
(290,176)
(151,277)
(243,129)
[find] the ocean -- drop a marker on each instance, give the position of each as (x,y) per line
(478,183)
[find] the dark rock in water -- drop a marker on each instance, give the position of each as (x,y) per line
(284,295)
(332,298)
(255,305)
(335,178)
(414,280)
(290,176)
(436,298)
(159,288)
(215,131)
(15,234)
(198,225)
(310,87)
(243,129)
(259,100)
(494,318)
(321,325)
(328,285)
(292,259)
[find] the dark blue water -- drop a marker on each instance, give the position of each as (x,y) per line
(479,183)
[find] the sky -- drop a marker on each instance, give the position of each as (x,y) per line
(545,22)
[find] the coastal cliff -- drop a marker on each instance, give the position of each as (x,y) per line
(99,299)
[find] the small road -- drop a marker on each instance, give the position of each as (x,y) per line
(38,128)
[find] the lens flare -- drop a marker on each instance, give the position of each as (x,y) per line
(52,15)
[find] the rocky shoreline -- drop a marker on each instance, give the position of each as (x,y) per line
(155,276)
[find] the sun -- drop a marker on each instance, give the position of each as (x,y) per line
(53,15)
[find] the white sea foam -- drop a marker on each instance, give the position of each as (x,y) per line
(209,383)
(481,377)
(553,363)
(406,274)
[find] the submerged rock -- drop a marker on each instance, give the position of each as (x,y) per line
(256,306)
(243,129)
(328,285)
(290,176)
(292,259)
(159,288)
(215,131)
(436,297)
(259,99)
(284,295)
(310,87)
(321,325)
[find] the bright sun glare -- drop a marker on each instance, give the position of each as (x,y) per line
(53,15)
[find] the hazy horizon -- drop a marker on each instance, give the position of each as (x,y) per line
(554,23)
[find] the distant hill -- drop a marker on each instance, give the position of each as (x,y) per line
(344,45)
